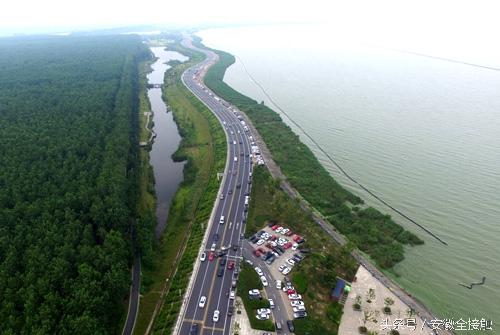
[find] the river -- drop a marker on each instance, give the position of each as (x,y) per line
(168,174)
(422,133)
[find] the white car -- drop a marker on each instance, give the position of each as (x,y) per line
(254,292)
(232,295)
(280,229)
(273,243)
(202,302)
(264,281)
(284,231)
(286,270)
(262,316)
(259,271)
(271,303)
(299,309)
(294,296)
(203,257)
(278,284)
(299,315)
(260,242)
(296,303)
(234,142)
(212,248)
(263,311)
(295,246)
(290,261)
(216,316)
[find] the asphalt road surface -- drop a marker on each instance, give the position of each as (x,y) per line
(236,185)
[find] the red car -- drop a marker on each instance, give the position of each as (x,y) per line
(290,291)
(274,238)
(287,245)
(275,227)
(290,233)
(257,253)
(211,256)
(230,265)
(297,238)
(262,251)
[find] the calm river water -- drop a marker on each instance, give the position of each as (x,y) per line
(168,174)
(422,133)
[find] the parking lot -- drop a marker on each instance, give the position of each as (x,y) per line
(279,250)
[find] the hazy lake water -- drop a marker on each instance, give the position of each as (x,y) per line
(168,174)
(422,133)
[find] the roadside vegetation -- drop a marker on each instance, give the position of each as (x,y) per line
(249,280)
(68,181)
(316,275)
(368,229)
(203,147)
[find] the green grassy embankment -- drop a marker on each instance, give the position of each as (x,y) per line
(203,146)
(316,275)
(249,280)
(371,231)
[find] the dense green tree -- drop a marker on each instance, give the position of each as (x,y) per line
(68,109)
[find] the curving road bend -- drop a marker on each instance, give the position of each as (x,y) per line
(210,279)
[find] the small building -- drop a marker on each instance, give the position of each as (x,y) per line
(342,288)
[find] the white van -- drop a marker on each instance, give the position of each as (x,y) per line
(221,221)
(235,158)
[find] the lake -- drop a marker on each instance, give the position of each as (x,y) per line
(422,133)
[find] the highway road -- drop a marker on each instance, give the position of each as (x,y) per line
(231,206)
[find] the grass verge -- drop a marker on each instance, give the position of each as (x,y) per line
(371,231)
(249,280)
(203,146)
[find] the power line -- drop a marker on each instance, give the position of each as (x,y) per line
(332,160)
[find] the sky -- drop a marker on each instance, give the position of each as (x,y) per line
(419,17)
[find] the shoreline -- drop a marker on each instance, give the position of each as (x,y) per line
(276,172)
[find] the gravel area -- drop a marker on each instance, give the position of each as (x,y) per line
(352,319)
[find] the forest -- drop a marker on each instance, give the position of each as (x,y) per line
(68,162)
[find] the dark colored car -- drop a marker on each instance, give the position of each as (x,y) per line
(230,310)
(222,261)
(216,237)
(230,192)
(194,329)
(235,247)
(290,326)
(238,186)
(220,272)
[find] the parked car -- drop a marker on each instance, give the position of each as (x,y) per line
(257,253)
(286,270)
(290,261)
(296,303)
(263,311)
(232,295)
(290,325)
(287,245)
(294,297)
(297,309)
(295,246)
(203,256)
(230,310)
(202,302)
(262,316)
(254,292)
(259,271)
(264,281)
